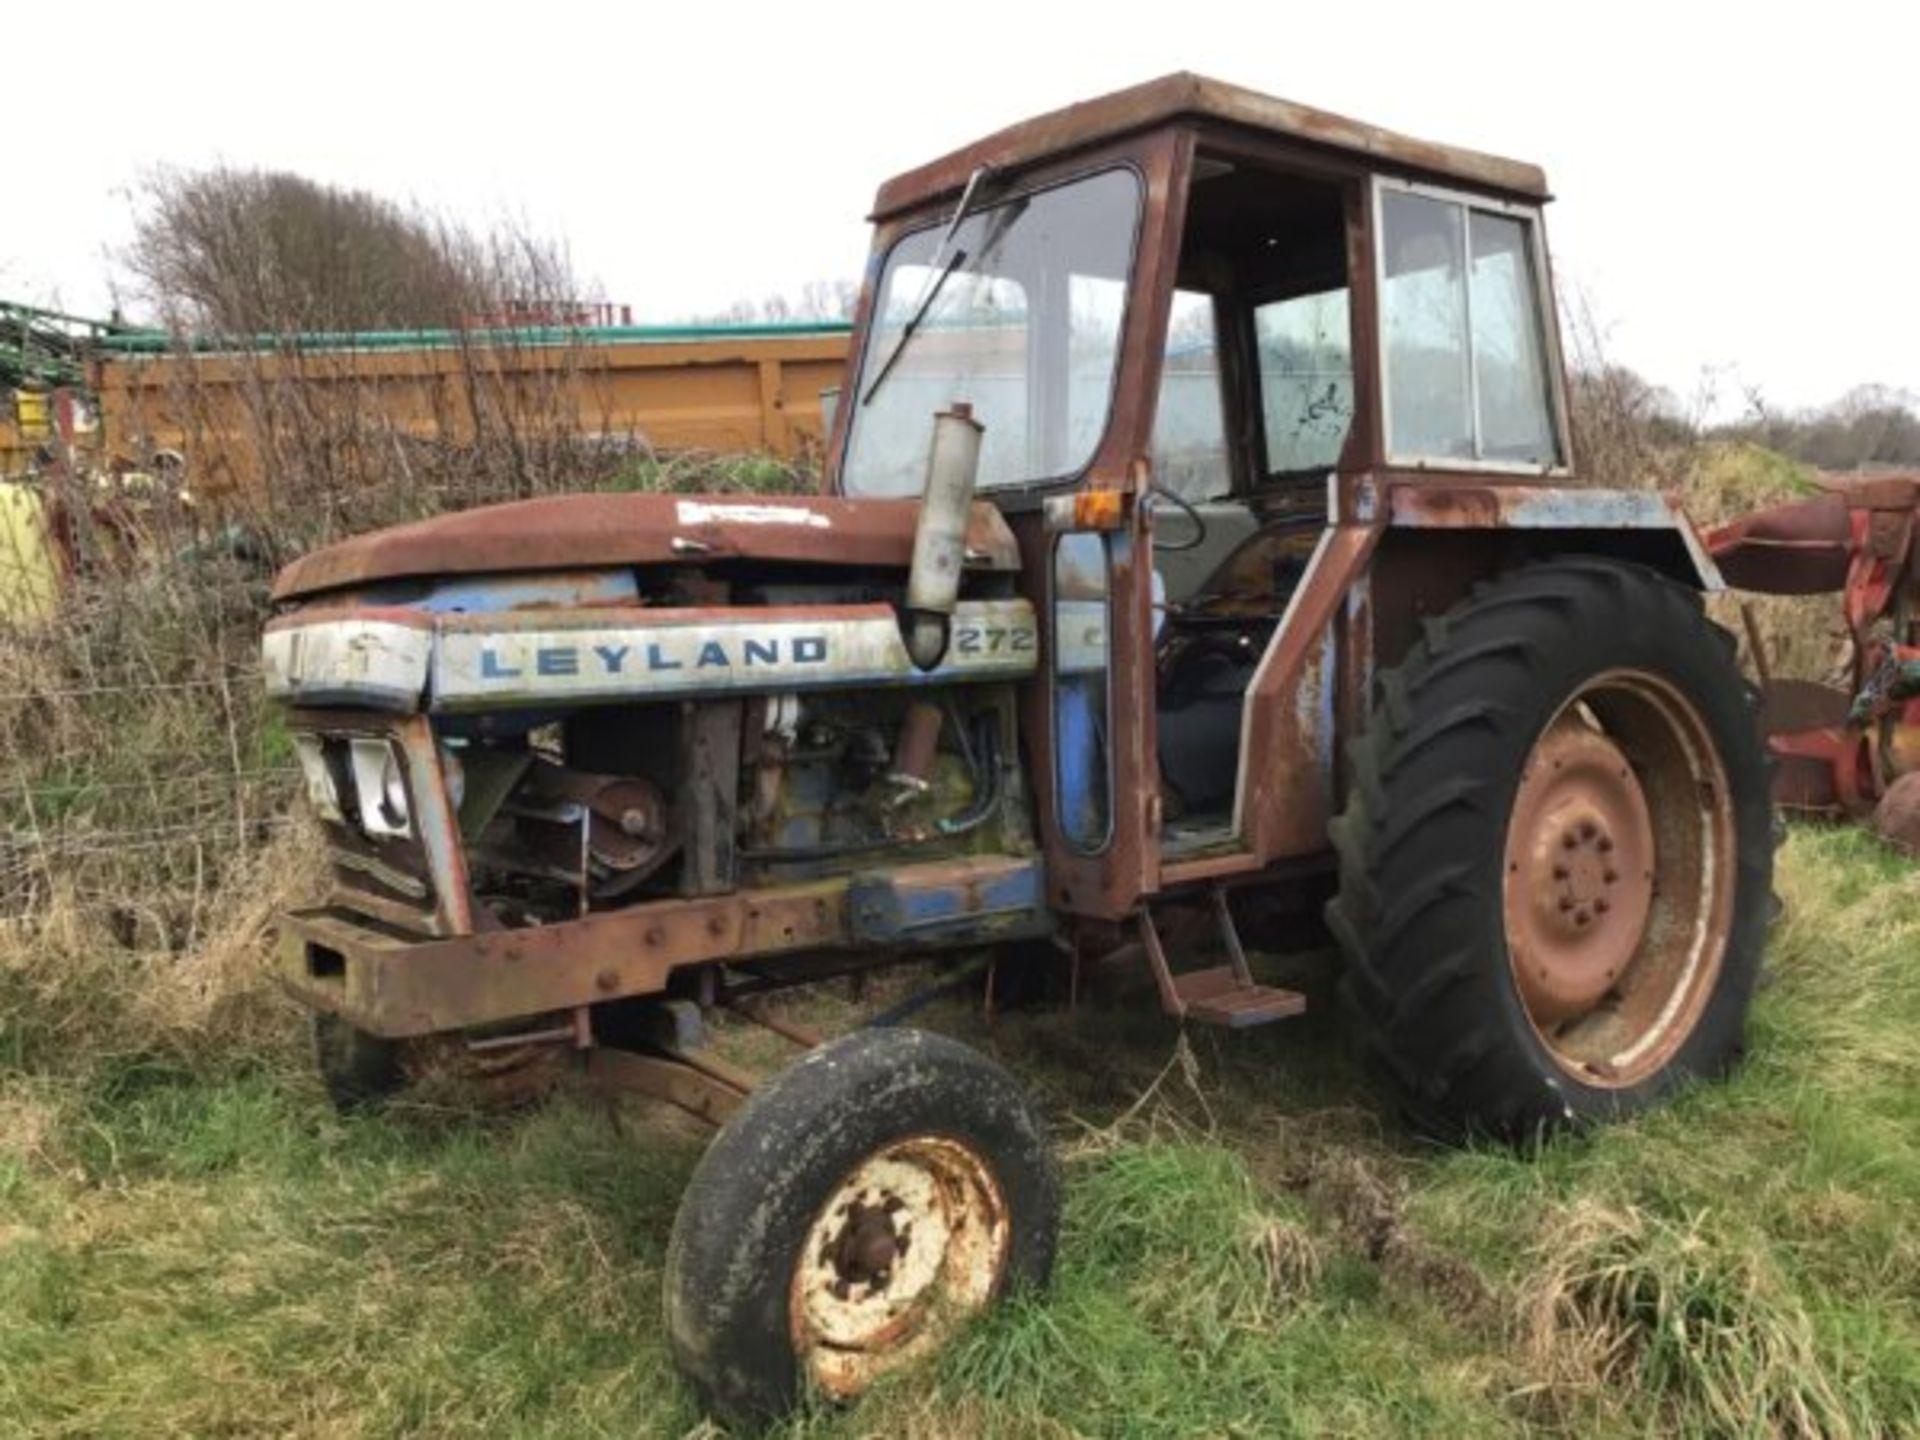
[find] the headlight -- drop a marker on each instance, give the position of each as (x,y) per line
(323,789)
(455,775)
(380,784)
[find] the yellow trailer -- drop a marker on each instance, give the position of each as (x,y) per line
(733,389)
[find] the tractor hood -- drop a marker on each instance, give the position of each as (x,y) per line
(575,532)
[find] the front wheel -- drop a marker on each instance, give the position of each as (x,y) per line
(1556,859)
(850,1216)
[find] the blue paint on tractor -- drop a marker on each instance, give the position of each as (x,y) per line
(1080,761)
(943,904)
(490,594)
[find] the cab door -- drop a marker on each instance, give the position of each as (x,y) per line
(1090,714)
(1099,785)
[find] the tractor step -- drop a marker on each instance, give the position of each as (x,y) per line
(1218,997)
(1225,995)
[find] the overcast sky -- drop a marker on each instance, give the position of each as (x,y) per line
(1739,183)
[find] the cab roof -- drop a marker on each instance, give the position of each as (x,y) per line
(1187,96)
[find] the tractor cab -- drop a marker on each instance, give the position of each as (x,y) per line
(1207,335)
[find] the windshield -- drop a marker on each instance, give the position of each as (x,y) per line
(1024,325)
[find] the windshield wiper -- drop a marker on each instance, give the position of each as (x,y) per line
(930,291)
(930,294)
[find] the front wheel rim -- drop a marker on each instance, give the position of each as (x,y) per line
(1618,878)
(913,1240)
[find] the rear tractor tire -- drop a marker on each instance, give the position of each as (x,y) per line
(360,1071)
(850,1217)
(357,1070)
(1556,860)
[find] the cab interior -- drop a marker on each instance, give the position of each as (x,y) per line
(1255,403)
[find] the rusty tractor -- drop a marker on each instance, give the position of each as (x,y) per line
(1197,539)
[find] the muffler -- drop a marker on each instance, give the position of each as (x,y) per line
(940,538)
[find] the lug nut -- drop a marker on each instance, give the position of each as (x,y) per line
(1582,918)
(1559,872)
(1569,840)
(1601,906)
(1565,903)
(1606,844)
(1611,877)
(1587,829)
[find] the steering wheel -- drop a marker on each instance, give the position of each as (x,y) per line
(1185,507)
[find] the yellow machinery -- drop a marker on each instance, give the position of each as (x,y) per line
(29,562)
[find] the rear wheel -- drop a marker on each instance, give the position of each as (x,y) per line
(1556,859)
(855,1212)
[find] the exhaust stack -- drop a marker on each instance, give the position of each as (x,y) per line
(940,538)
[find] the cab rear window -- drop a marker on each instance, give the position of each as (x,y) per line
(1467,377)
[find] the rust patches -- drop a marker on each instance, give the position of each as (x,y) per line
(912,1243)
(1618,883)
(410,616)
(1579,880)
(574,532)
(1445,504)
(1187,96)
(394,988)
(676,1079)
(1469,508)
(1286,741)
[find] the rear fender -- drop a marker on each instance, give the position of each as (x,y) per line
(1439,541)
(1634,524)
(1400,552)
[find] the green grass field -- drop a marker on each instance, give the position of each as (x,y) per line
(190,1242)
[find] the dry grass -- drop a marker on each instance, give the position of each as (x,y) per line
(77,998)
(1623,1299)
(1721,479)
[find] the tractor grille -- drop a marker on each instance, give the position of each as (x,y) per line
(388,880)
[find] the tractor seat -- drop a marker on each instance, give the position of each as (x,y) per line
(1208,652)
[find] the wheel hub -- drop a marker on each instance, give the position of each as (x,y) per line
(1579,873)
(864,1251)
(913,1239)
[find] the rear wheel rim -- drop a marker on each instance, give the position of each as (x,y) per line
(1618,883)
(912,1242)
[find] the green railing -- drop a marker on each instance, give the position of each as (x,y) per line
(48,347)
(160,343)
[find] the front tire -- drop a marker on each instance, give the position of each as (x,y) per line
(849,1216)
(1556,860)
